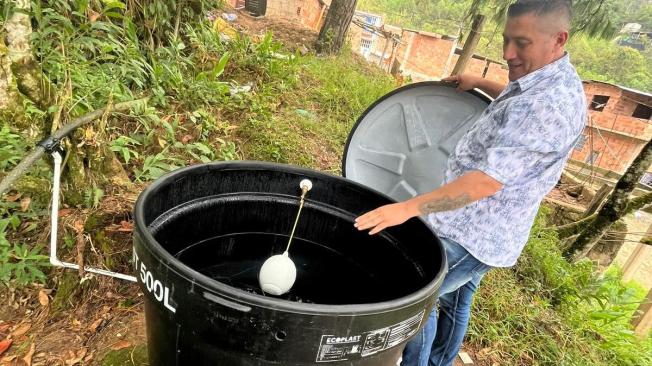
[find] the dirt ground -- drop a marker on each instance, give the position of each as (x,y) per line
(292,35)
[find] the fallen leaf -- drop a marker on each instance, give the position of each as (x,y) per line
(5,326)
(21,329)
(30,353)
(4,345)
(73,361)
(65,212)
(13,197)
(93,327)
(78,225)
(186,138)
(120,345)
(76,358)
(6,360)
(88,358)
(24,204)
(126,226)
(43,298)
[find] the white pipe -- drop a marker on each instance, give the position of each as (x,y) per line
(55,226)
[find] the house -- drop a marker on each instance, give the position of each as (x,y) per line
(618,127)
(631,36)
(417,54)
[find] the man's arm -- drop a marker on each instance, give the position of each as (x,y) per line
(468,82)
(468,188)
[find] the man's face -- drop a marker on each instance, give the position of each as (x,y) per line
(531,42)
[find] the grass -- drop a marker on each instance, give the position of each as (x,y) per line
(546,311)
(311,121)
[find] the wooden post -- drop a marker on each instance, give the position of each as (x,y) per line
(642,319)
(382,57)
(318,25)
(392,56)
(639,255)
(470,44)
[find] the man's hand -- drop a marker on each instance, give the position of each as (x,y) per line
(385,216)
(467,82)
(464,81)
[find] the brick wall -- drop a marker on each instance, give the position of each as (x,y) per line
(498,73)
(312,13)
(620,153)
(286,9)
(616,122)
(427,56)
(474,66)
(617,136)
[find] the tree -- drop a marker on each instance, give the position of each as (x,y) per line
(21,79)
(338,20)
(590,17)
(606,61)
(21,75)
(618,204)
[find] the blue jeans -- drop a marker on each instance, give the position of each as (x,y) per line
(438,343)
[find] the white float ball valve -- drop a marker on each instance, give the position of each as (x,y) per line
(277,274)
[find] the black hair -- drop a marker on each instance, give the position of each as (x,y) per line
(541,7)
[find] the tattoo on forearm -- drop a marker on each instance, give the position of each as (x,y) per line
(445,204)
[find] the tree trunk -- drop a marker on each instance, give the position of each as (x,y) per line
(29,78)
(615,207)
(91,166)
(338,20)
(20,74)
(91,163)
(11,105)
(470,44)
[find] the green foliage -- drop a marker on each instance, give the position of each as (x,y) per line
(546,311)
(125,147)
(632,11)
(440,16)
(155,166)
(12,147)
(92,196)
(19,262)
(318,113)
(608,62)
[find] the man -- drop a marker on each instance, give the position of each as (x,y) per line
(499,172)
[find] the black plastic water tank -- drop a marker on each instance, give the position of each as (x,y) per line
(203,232)
(256,7)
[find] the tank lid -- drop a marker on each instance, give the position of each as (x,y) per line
(401,143)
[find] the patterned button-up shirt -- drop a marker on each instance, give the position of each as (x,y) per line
(522,140)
